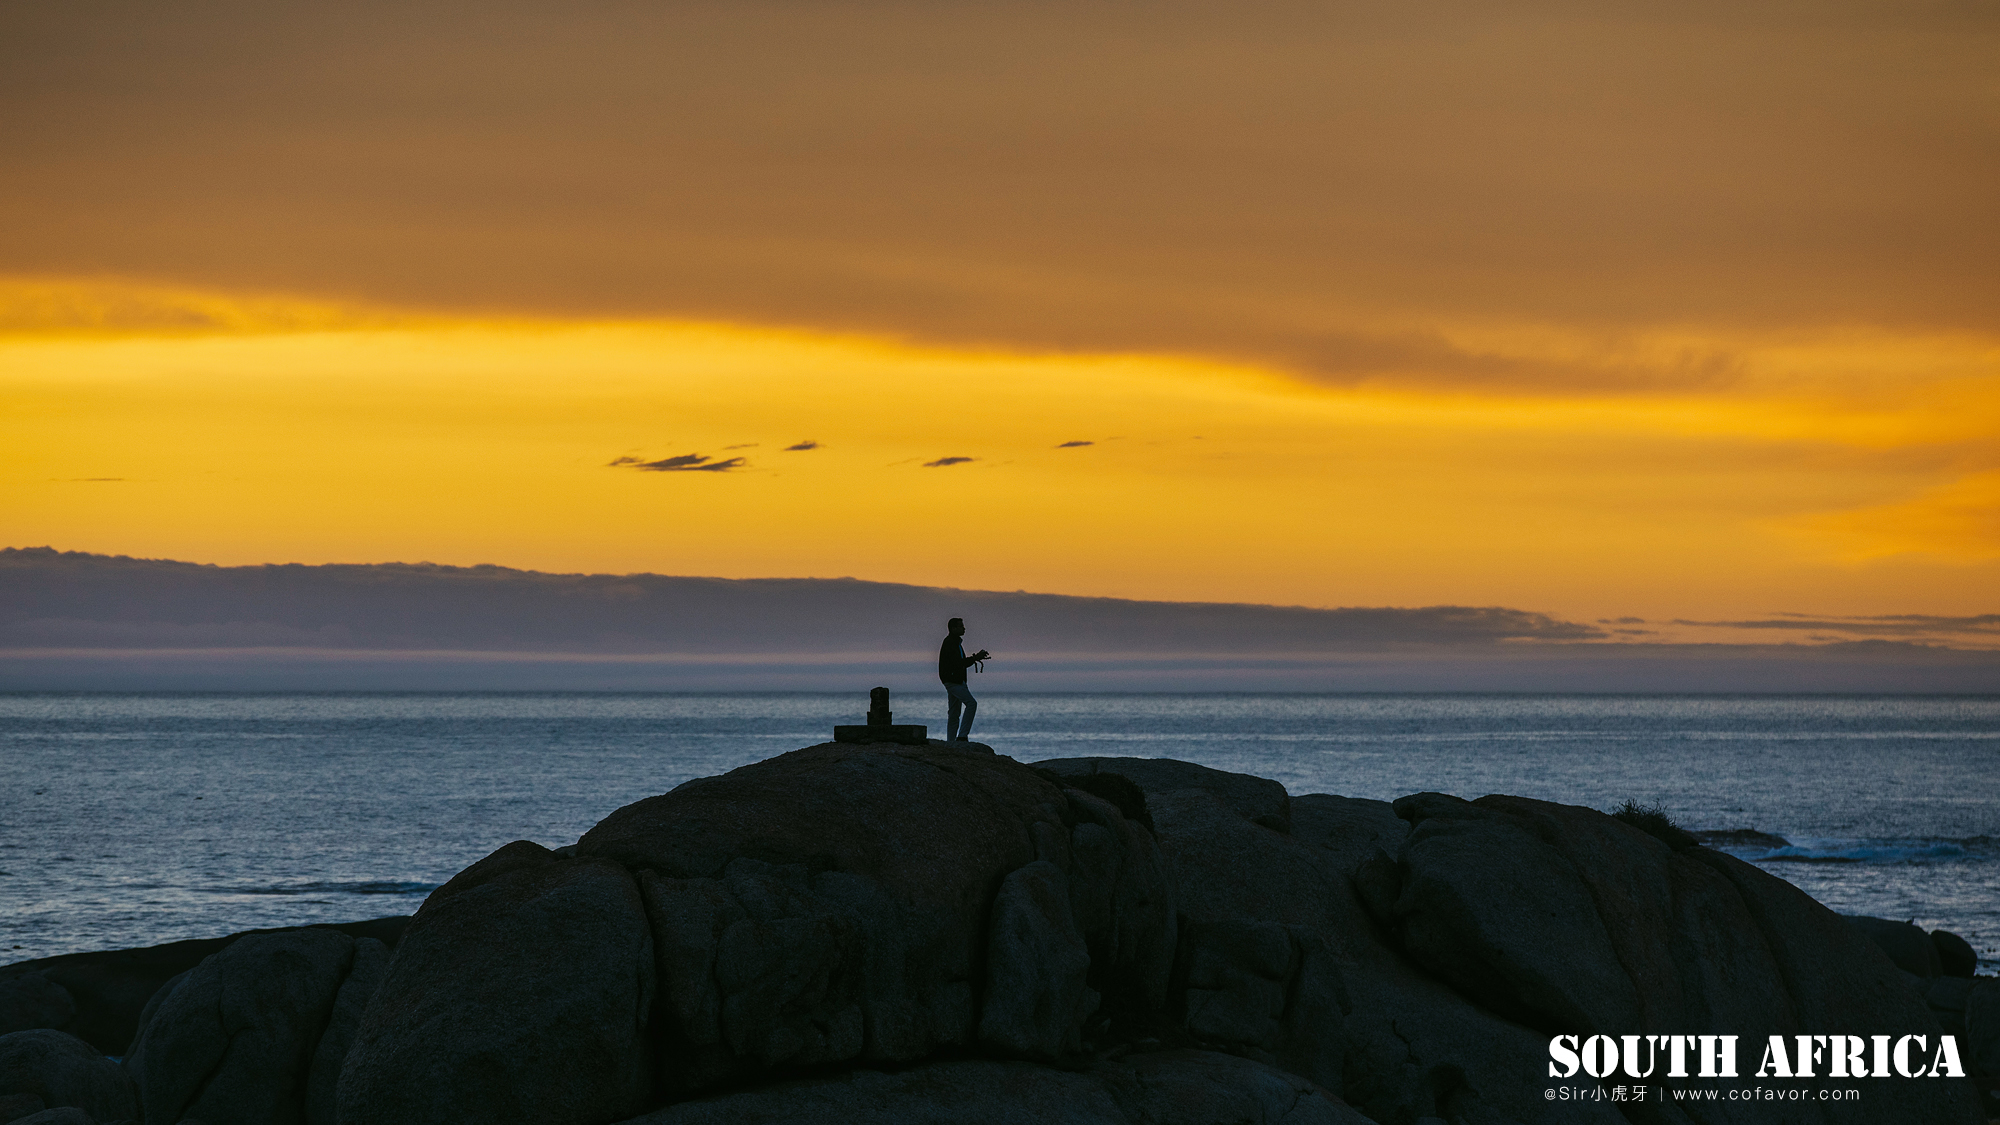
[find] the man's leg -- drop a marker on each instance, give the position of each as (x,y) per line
(951,713)
(961,693)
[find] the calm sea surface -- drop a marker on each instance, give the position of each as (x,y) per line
(127,820)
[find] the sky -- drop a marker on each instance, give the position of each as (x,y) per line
(1671,319)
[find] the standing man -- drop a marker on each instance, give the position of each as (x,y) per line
(952,663)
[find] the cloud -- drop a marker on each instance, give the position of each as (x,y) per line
(1074,444)
(1953,520)
(1872,625)
(745,445)
(942,462)
(1454,177)
(74,599)
(685,463)
(802,446)
(77,620)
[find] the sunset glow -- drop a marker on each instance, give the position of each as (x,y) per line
(1680,315)
(283,431)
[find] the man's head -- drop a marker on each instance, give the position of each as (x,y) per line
(956,626)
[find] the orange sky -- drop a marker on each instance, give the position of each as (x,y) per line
(1601,312)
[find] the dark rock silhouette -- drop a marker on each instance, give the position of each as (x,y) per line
(61,1115)
(1280,962)
(932,933)
(110,989)
(1566,920)
(62,1071)
(1982,1031)
(257,1033)
(1907,945)
(31,1001)
(1159,1088)
(521,995)
(1956,957)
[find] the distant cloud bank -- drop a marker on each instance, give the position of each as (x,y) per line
(71,620)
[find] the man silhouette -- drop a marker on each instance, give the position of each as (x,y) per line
(952,663)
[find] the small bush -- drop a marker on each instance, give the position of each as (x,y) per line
(1655,823)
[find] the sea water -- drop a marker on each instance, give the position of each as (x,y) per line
(128,820)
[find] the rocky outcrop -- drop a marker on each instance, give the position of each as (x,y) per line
(1280,961)
(31,1001)
(61,1071)
(1905,944)
(839,904)
(1157,1088)
(257,1034)
(62,1115)
(1982,1030)
(1956,957)
(890,933)
(109,990)
(1567,920)
(521,992)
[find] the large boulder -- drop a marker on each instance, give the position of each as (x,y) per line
(520,992)
(31,1001)
(63,1071)
(62,1115)
(110,989)
(1162,1088)
(1036,965)
(885,903)
(1982,1029)
(251,1035)
(841,903)
(1956,957)
(1280,962)
(1914,951)
(1572,922)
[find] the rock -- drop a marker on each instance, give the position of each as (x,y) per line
(61,1115)
(235,1041)
(523,996)
(111,988)
(159,996)
(13,1107)
(761,968)
(364,978)
(1249,797)
(31,1001)
(1982,1029)
(838,903)
(1907,945)
(1036,963)
(1280,962)
(1956,957)
(1205,1088)
(1163,1088)
(1946,998)
(1569,921)
(64,1071)
(1237,978)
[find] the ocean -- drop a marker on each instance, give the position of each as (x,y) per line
(133,819)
